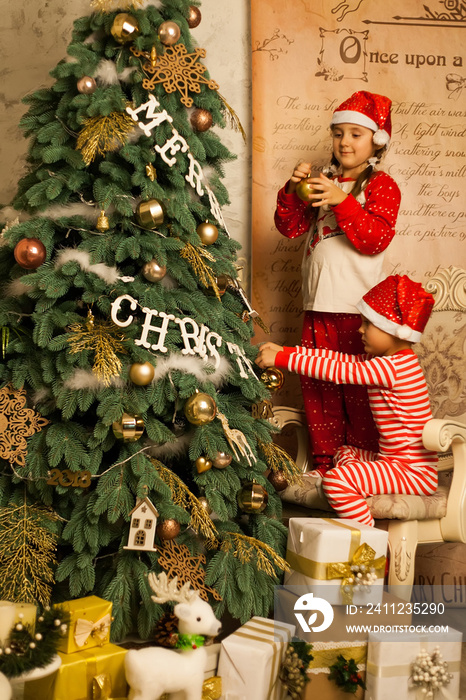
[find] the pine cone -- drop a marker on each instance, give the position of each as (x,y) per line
(166,630)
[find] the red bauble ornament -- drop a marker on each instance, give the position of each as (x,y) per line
(30,253)
(194,16)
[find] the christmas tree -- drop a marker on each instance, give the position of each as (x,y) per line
(134,425)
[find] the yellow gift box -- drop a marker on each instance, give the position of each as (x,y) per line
(90,674)
(90,620)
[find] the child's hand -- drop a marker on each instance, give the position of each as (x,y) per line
(328,192)
(302,170)
(267,355)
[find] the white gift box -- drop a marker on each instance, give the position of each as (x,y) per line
(390,656)
(315,544)
(250,660)
(213,652)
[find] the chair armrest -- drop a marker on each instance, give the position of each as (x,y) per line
(440,436)
(284,416)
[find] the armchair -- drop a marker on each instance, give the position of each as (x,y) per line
(413,520)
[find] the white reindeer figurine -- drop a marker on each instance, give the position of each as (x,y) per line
(153,671)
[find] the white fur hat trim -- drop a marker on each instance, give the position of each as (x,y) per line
(403,332)
(381,138)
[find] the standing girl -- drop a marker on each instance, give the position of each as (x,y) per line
(350,219)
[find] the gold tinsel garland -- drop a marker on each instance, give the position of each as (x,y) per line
(27,554)
(104,339)
(102,134)
(278,460)
(182,496)
(195,258)
(249,548)
(112,5)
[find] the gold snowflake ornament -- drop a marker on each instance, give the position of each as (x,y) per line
(178,70)
(17,422)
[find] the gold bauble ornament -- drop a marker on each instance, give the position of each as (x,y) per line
(252,498)
(168,529)
(222,460)
(86,85)
(278,480)
(200,409)
(272,378)
(129,428)
(150,213)
(201,119)
(304,189)
(203,464)
(222,282)
(194,16)
(208,233)
(153,272)
(30,253)
(204,503)
(141,373)
(125,28)
(169,33)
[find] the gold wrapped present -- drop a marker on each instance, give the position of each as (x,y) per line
(251,658)
(89,626)
(340,560)
(90,674)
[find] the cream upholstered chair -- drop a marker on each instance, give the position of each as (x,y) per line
(413,520)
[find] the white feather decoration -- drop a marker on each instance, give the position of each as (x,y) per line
(86,211)
(106,73)
(40,395)
(87,379)
(16,288)
(191,364)
(175,448)
(105,272)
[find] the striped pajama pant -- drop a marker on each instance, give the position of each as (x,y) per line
(359,473)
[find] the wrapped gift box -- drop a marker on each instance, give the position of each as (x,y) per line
(390,657)
(321,552)
(250,660)
(213,653)
(90,674)
(350,622)
(325,654)
(89,624)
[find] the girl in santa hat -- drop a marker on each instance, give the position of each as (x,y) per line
(350,220)
(394,314)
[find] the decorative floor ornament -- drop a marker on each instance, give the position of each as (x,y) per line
(17,422)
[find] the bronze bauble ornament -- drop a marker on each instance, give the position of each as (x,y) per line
(125,28)
(203,464)
(278,480)
(200,409)
(129,428)
(169,33)
(222,460)
(168,529)
(204,503)
(141,373)
(153,272)
(252,498)
(272,378)
(304,189)
(86,85)
(208,233)
(222,282)
(30,253)
(150,213)
(194,17)
(201,119)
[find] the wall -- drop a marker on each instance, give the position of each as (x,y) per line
(33,39)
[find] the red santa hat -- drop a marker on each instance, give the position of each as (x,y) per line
(398,306)
(367,109)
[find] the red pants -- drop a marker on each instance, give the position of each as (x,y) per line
(337,414)
(359,473)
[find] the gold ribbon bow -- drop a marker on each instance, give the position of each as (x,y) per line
(86,628)
(363,556)
(102,687)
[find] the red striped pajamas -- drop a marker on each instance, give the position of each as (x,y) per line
(399,401)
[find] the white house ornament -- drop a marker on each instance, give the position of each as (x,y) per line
(143,526)
(129,428)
